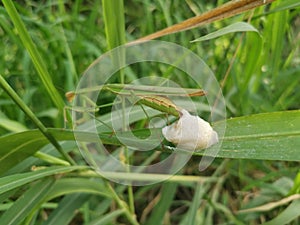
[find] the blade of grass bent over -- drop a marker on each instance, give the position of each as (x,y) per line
(236,27)
(11,182)
(226,10)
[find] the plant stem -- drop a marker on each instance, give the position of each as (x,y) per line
(14,96)
(51,159)
(113,11)
(35,56)
(129,215)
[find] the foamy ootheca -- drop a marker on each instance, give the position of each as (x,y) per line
(190,132)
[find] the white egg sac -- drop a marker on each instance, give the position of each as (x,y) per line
(190,132)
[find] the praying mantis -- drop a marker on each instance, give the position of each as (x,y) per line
(189,132)
(155,97)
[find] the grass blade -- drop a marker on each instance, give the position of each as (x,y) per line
(11,125)
(232,28)
(268,136)
(65,212)
(34,119)
(66,186)
(34,54)
(14,181)
(284,5)
(109,218)
(113,11)
(159,211)
(198,197)
(27,203)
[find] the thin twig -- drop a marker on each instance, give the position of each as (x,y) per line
(226,10)
(271,205)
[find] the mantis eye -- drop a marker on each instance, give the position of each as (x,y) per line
(190,132)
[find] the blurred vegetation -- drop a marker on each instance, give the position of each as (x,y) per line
(258,74)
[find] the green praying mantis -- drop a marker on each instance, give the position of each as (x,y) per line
(155,97)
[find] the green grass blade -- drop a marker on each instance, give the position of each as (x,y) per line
(65,212)
(232,28)
(27,203)
(159,211)
(11,125)
(113,15)
(284,5)
(18,147)
(296,187)
(51,159)
(34,119)
(17,180)
(276,44)
(268,136)
(113,12)
(34,54)
(66,186)
(249,68)
(109,218)
(198,197)
(121,204)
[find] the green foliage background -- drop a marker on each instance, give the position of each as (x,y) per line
(257,166)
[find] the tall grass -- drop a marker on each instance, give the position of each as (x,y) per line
(263,76)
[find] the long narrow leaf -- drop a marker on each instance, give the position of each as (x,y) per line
(34,54)
(108,218)
(232,28)
(198,197)
(17,147)
(287,4)
(66,186)
(161,208)
(33,117)
(13,181)
(269,136)
(25,204)
(113,11)
(64,213)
